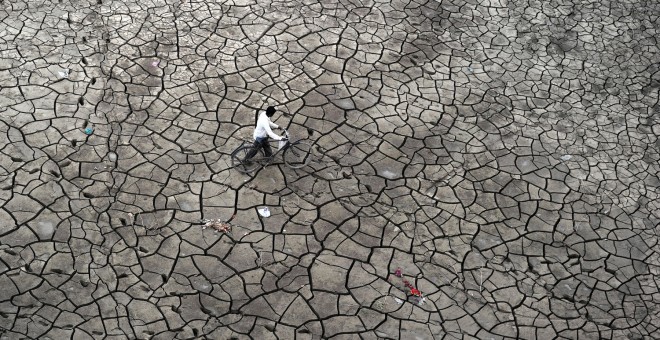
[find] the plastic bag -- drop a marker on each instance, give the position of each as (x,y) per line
(265,212)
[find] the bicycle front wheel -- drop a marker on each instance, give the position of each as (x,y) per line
(239,161)
(298,154)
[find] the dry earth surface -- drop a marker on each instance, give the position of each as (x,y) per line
(503,154)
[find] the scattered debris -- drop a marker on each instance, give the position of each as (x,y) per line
(566,157)
(89,131)
(64,74)
(217,225)
(412,290)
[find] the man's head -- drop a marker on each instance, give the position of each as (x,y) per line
(270,111)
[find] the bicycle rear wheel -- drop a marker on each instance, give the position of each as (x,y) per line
(298,154)
(239,162)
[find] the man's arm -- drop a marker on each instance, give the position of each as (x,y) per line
(270,132)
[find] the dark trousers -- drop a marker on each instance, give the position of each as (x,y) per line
(263,144)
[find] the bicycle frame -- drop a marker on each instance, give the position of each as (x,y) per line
(256,163)
(278,150)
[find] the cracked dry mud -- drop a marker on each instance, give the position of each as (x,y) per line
(502,154)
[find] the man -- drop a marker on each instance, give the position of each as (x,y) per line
(262,131)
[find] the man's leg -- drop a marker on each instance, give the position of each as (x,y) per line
(258,143)
(266,146)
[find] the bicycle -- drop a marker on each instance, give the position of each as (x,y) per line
(295,154)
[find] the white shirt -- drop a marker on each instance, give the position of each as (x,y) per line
(264,126)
